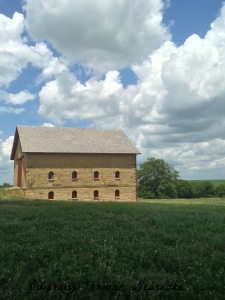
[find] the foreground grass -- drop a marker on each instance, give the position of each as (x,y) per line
(52,249)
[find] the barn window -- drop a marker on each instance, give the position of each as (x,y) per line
(95,194)
(74,194)
(96,175)
(117,193)
(50,195)
(117,175)
(74,175)
(51,176)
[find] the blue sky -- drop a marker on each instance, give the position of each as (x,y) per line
(153,69)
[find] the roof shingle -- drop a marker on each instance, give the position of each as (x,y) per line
(73,140)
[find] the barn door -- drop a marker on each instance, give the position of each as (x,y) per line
(19,178)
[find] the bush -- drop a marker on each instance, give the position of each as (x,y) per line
(148,196)
(202,189)
(220,190)
(208,189)
(167,191)
(183,188)
(5,185)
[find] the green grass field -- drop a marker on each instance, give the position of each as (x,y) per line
(152,249)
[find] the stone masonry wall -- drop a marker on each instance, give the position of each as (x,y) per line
(62,165)
(105,194)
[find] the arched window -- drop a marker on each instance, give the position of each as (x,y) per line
(117,175)
(50,195)
(74,175)
(51,175)
(74,194)
(117,193)
(95,194)
(96,175)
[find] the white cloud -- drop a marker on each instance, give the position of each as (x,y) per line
(16,54)
(176,106)
(204,160)
(103,35)
(7,109)
(11,63)
(65,97)
(16,99)
(6,166)
(7,146)
(47,125)
(19,98)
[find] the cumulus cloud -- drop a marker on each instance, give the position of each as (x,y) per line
(6,170)
(7,146)
(8,109)
(16,53)
(19,98)
(12,59)
(73,99)
(47,125)
(195,160)
(103,35)
(176,106)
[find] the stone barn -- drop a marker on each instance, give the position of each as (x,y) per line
(74,163)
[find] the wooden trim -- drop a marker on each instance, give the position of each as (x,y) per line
(15,143)
(21,157)
(19,174)
(136,177)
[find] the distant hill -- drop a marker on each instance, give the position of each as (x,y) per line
(215,182)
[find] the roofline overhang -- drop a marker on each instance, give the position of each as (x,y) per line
(15,143)
(38,152)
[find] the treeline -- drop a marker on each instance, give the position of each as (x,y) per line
(158,179)
(5,185)
(186,189)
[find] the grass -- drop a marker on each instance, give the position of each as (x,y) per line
(10,193)
(75,250)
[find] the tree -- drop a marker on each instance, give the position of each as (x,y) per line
(5,185)
(157,178)
(208,189)
(183,188)
(220,190)
(202,189)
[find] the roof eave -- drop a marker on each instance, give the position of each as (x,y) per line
(15,143)
(40,152)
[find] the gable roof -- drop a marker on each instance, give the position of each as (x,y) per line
(71,140)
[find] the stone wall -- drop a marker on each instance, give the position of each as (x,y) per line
(105,194)
(62,165)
